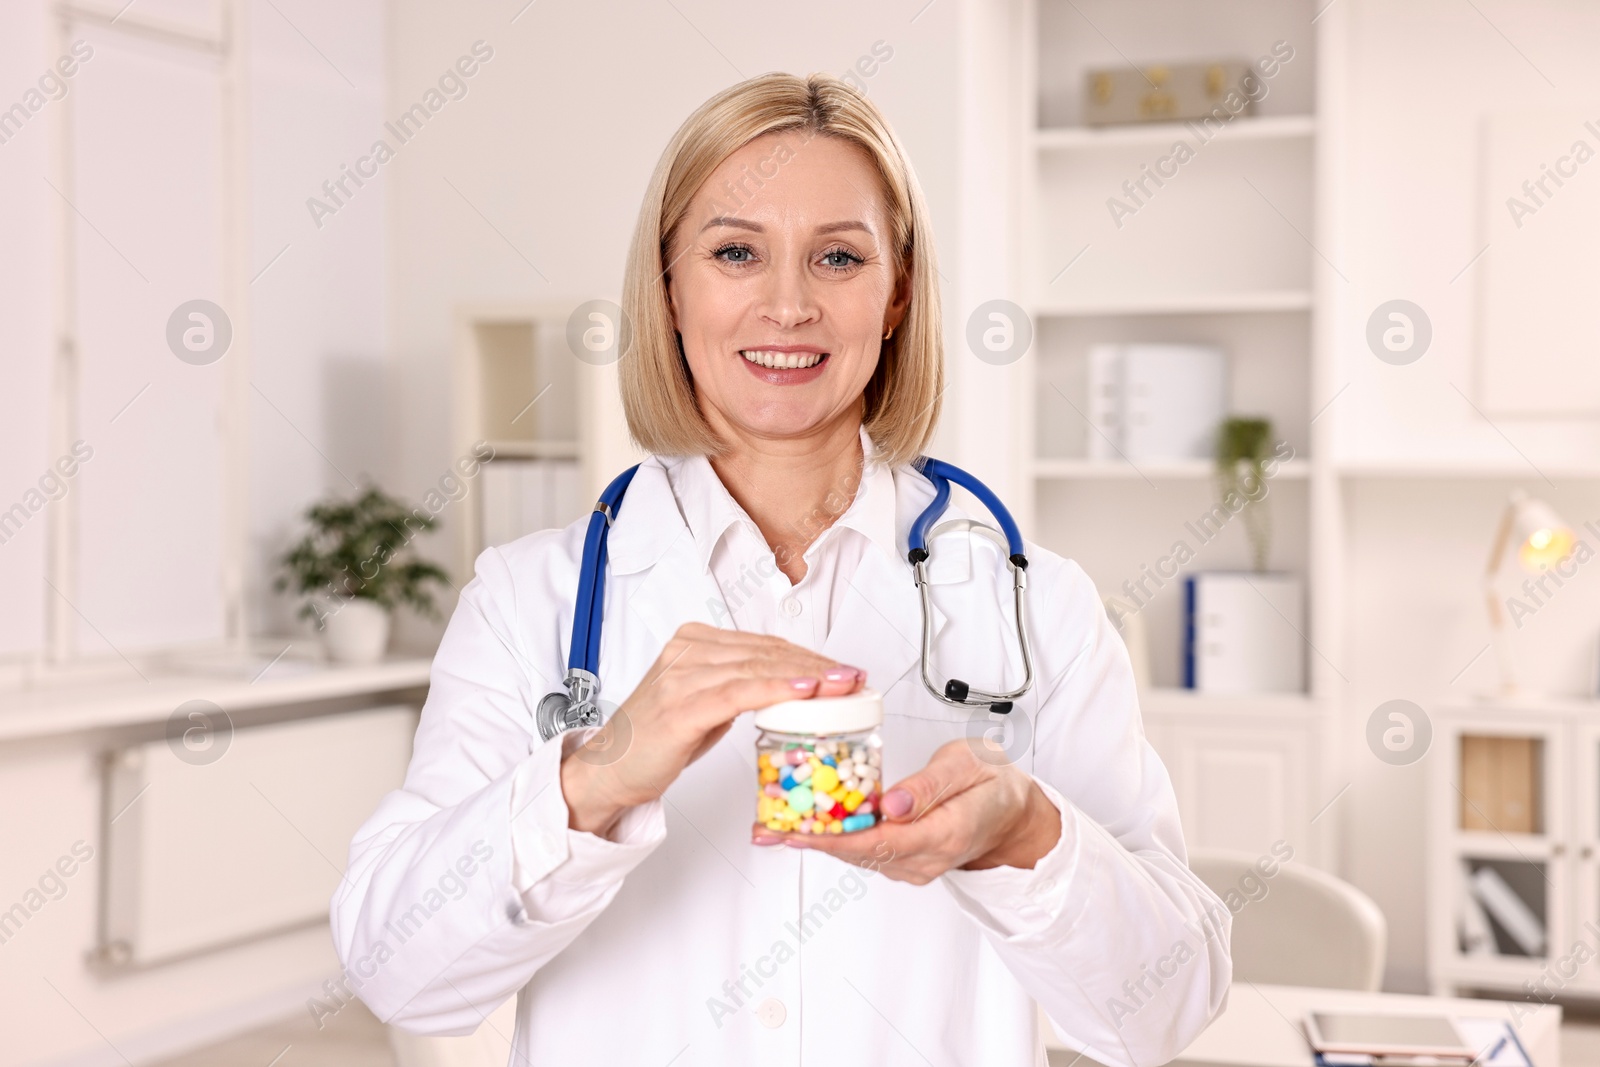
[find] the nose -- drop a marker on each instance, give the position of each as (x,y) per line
(789,298)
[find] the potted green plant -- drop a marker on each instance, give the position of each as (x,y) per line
(355,566)
(1243,445)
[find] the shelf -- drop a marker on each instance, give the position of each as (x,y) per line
(1164,469)
(1201,303)
(1262,128)
(1163,701)
(1490,845)
(534,449)
(1451,469)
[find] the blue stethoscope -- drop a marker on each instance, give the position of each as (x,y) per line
(579,706)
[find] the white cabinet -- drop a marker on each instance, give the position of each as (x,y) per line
(1514,888)
(1243,769)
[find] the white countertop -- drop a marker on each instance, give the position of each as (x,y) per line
(68,703)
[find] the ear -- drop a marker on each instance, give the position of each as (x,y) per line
(899,302)
(672,301)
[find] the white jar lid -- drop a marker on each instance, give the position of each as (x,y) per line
(861,710)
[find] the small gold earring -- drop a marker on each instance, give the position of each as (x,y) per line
(888,332)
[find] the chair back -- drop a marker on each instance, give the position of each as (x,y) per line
(1301,926)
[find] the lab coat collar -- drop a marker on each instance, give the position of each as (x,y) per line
(709,510)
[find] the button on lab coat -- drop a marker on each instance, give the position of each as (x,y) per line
(680,942)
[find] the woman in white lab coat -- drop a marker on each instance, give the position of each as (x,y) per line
(786,366)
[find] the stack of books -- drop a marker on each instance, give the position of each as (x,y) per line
(524,496)
(1155,401)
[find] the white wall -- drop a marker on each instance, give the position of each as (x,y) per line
(321,367)
(1418,80)
(27,274)
(318,338)
(528,188)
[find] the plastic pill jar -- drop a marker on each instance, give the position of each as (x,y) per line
(820,764)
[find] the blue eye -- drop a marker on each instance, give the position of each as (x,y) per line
(728,253)
(839,259)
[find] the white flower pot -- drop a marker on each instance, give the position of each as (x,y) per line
(355,631)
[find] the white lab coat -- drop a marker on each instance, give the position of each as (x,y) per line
(682,943)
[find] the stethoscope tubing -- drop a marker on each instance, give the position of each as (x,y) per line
(560,711)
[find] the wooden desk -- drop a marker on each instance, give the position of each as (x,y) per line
(1261,1026)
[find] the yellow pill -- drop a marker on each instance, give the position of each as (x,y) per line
(774,824)
(824,778)
(763,761)
(816,828)
(853,799)
(838,793)
(836,828)
(770,774)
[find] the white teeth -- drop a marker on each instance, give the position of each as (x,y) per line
(782,360)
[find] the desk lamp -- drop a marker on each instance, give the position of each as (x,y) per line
(1542,540)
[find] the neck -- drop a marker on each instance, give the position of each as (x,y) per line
(793,489)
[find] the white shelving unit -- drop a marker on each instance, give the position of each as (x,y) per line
(1546,856)
(519,388)
(1218,253)
(1155,470)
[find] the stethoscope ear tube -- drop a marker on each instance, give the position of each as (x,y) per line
(941,474)
(956,692)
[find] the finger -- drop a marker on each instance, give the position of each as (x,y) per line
(726,646)
(703,645)
(952,770)
(907,853)
(727,700)
(833,679)
(702,634)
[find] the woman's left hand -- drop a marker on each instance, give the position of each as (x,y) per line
(960,811)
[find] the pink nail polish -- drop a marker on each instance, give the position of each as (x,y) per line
(802,685)
(840,674)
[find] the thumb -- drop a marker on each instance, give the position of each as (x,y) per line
(951,771)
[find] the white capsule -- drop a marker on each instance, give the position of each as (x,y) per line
(801,772)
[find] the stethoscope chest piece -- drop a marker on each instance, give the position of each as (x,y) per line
(573,709)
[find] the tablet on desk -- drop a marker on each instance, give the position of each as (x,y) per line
(1387,1035)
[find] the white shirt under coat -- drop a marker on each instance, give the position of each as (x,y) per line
(679,941)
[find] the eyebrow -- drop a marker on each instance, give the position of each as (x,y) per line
(756,227)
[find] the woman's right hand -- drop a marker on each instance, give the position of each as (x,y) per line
(703,679)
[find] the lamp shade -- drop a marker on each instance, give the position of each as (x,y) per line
(1542,538)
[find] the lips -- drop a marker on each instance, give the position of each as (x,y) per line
(775,360)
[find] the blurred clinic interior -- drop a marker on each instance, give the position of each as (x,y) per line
(1270,323)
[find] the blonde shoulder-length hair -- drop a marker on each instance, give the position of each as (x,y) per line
(902,399)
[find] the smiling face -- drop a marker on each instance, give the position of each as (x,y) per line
(782,287)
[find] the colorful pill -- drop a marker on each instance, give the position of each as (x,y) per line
(857,822)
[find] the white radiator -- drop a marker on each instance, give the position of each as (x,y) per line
(209,850)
